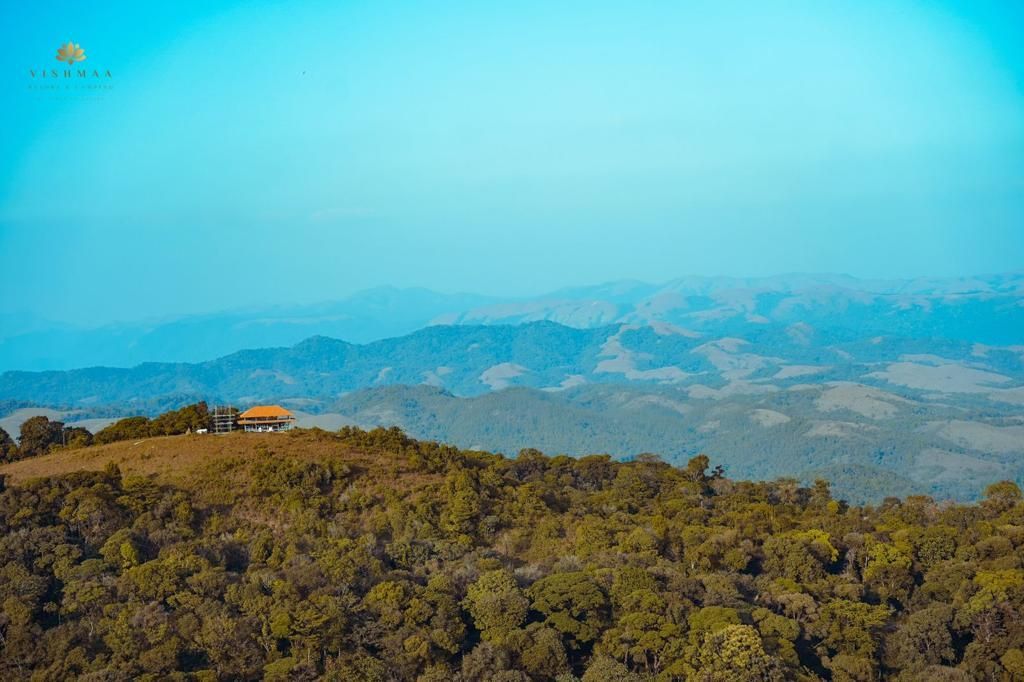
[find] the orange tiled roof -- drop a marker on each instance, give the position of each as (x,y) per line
(265,412)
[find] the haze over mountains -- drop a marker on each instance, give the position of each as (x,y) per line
(884,387)
(984,309)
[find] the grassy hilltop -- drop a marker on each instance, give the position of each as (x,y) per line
(371,556)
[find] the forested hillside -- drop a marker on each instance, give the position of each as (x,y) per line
(903,448)
(370,556)
(883,415)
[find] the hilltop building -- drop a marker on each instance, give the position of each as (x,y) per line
(265,418)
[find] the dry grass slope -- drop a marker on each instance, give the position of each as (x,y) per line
(184,460)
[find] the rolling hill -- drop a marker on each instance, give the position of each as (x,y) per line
(880,414)
(870,443)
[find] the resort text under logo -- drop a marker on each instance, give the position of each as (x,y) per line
(72,75)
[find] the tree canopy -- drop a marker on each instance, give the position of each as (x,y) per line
(40,435)
(371,556)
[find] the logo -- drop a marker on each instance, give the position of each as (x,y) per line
(72,77)
(70,53)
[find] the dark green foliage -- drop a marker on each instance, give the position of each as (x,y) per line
(39,434)
(76,437)
(8,448)
(124,429)
(188,418)
(393,559)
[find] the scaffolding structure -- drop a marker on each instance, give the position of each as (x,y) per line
(223,419)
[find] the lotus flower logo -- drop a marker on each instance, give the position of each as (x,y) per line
(70,53)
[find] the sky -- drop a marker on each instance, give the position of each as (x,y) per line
(250,153)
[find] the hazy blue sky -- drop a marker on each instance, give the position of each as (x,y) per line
(301,151)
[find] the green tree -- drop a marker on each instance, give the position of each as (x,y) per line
(76,437)
(607,669)
(541,652)
(128,428)
(39,434)
(802,556)
(888,571)
(496,604)
(925,638)
(8,448)
(853,628)
(1013,661)
(1002,496)
(696,468)
(463,507)
(573,604)
(187,418)
(735,652)
(644,635)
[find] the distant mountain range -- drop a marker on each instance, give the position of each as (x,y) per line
(985,309)
(882,389)
(469,360)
